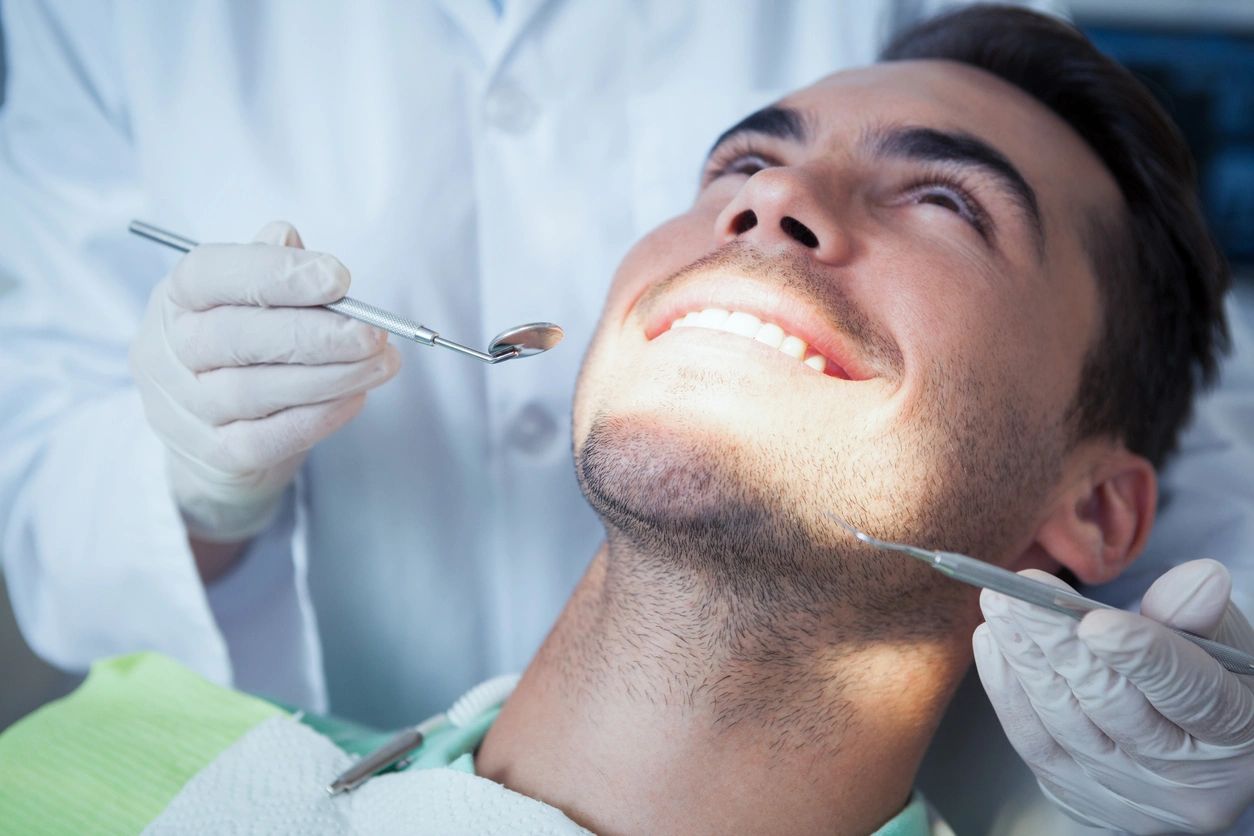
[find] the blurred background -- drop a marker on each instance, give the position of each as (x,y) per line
(1196,55)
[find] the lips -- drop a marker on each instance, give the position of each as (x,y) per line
(767,333)
(739,305)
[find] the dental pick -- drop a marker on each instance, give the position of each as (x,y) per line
(968,570)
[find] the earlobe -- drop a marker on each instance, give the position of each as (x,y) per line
(1100,522)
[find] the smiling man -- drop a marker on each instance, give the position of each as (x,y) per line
(913,295)
(961,300)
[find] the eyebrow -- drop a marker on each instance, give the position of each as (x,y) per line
(773,120)
(932,145)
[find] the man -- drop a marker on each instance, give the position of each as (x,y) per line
(1000,379)
(899,298)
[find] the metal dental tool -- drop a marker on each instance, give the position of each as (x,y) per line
(394,753)
(968,570)
(389,754)
(519,341)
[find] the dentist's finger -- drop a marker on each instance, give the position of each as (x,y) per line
(233,394)
(1018,716)
(1191,597)
(265,442)
(1087,794)
(243,335)
(1106,698)
(280,234)
(256,274)
(1048,690)
(1177,677)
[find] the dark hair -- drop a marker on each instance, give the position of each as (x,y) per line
(1161,276)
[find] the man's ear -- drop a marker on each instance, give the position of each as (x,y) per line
(1099,521)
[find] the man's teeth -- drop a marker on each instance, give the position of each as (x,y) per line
(793,347)
(771,334)
(712,318)
(748,325)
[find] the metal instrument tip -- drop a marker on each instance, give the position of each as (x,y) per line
(854,532)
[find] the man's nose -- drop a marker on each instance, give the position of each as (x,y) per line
(779,206)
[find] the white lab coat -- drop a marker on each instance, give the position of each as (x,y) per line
(473,171)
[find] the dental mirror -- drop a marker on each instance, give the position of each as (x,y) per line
(519,341)
(526,340)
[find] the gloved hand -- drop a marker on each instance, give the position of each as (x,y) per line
(240,374)
(1125,724)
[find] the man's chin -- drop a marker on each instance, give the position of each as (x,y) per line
(682,503)
(642,469)
(693,495)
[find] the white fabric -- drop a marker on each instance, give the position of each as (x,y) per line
(274,779)
(473,171)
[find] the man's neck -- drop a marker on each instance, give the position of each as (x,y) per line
(655,707)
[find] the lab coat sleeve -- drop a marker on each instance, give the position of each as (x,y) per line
(94,552)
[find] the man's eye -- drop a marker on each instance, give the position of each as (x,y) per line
(740,165)
(945,199)
(746,164)
(954,198)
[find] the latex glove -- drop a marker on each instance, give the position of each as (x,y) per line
(240,374)
(1127,725)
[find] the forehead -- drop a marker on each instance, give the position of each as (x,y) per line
(955,97)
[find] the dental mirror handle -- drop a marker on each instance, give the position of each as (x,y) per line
(369,314)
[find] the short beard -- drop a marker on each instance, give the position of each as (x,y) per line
(688,505)
(691,514)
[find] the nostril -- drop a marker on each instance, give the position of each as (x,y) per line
(744,222)
(799,232)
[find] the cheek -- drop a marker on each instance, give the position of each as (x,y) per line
(668,248)
(965,327)
(662,252)
(659,254)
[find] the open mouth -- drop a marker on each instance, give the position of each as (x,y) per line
(768,333)
(790,323)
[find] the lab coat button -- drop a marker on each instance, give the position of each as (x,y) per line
(534,429)
(510,109)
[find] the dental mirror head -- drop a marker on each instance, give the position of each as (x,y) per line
(525,340)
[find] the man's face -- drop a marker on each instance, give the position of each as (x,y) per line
(918,226)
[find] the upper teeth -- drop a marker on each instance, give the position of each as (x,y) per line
(748,325)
